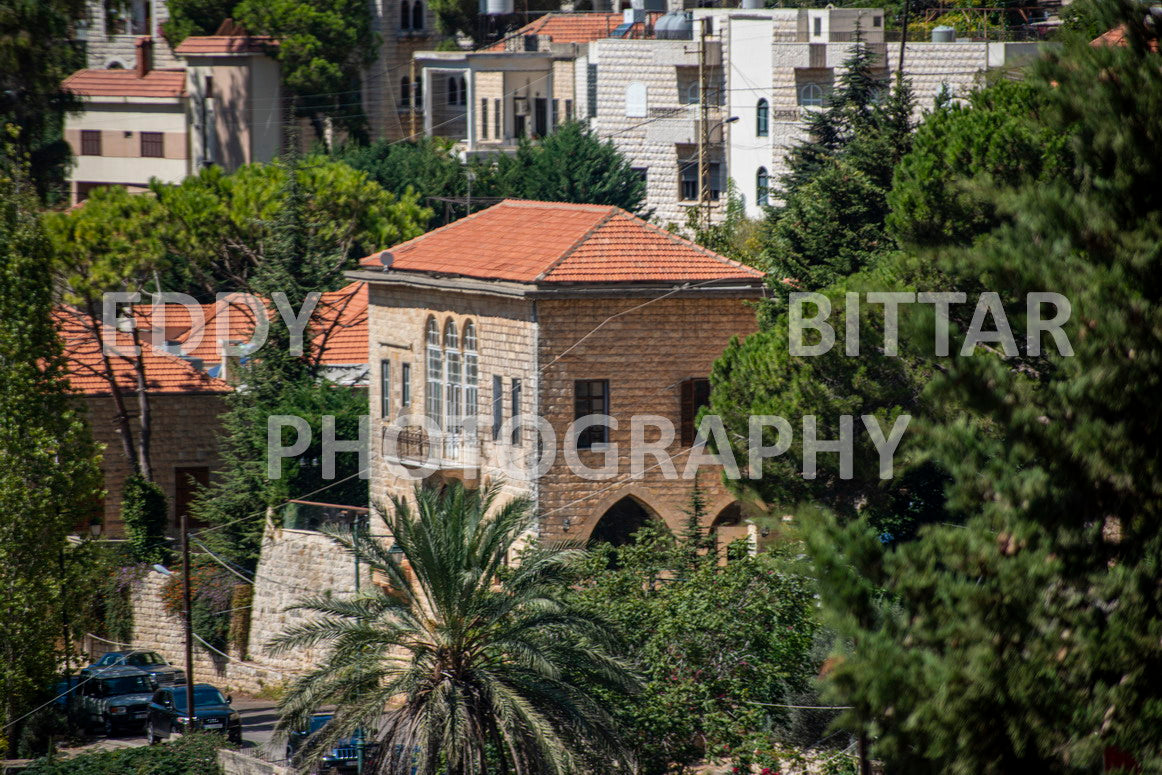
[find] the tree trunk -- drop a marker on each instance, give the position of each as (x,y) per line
(124,429)
(145,434)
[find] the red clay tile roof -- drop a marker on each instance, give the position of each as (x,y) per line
(567,28)
(339,327)
(164,373)
(556,242)
(1117,37)
(225,44)
(126,83)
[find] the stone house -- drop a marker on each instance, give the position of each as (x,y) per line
(142,123)
(185,407)
(491,336)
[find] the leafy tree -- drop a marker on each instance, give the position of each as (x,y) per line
(1028,639)
(35,56)
(48,473)
(216,226)
(194,17)
(719,644)
(323,47)
(571,164)
(428,166)
(296,260)
(461,673)
(145,513)
(736,236)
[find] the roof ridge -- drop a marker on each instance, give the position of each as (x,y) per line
(421,237)
(579,241)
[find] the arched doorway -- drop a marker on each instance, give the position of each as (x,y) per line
(728,526)
(621,521)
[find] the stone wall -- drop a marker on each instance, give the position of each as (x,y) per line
(238,763)
(186,430)
(294,564)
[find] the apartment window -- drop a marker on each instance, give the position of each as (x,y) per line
(532,43)
(591,396)
(433,395)
(818,25)
(695,394)
(405,384)
(471,370)
(636,100)
(484,119)
(591,89)
(497,120)
(688,179)
(453,90)
(688,85)
(557,119)
(152,144)
(516,390)
(877,21)
(405,91)
(90,142)
(385,390)
(497,405)
(417,15)
(568,110)
(762,124)
(811,95)
(762,184)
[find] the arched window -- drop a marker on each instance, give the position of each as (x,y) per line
(418,15)
(433,396)
(405,15)
(762,185)
(405,92)
(811,95)
(453,90)
(471,370)
(418,90)
(762,121)
(463,91)
(453,379)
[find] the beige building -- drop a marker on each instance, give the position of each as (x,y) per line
(492,336)
(143,123)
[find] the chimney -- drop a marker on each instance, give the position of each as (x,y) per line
(144,56)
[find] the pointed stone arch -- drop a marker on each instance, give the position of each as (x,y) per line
(621,519)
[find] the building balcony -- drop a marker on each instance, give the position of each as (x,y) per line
(415,446)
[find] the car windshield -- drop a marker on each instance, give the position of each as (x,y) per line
(203,696)
(109,659)
(317,723)
(130,684)
(146,659)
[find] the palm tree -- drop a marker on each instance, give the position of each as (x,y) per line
(466,666)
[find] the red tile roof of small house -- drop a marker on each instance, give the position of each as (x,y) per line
(556,242)
(1117,37)
(127,83)
(164,373)
(225,44)
(568,28)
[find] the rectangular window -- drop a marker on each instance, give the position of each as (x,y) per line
(385,390)
(557,119)
(688,181)
(187,482)
(497,120)
(591,396)
(695,394)
(568,110)
(405,384)
(818,25)
(484,118)
(497,406)
(90,142)
(209,87)
(153,145)
(877,21)
(541,116)
(516,388)
(591,89)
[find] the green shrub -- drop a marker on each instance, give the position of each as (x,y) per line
(189,755)
(145,513)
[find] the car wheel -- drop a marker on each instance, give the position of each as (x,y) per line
(150,736)
(110,730)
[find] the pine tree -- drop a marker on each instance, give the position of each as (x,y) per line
(48,474)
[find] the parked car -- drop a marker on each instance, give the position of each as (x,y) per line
(343,757)
(62,691)
(149,661)
(115,700)
(168,714)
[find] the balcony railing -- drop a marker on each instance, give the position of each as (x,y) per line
(418,446)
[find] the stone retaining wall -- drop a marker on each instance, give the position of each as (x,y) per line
(237,763)
(294,563)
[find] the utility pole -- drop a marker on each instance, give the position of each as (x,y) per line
(703,126)
(189,622)
(357,521)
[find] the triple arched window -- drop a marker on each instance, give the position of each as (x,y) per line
(762,121)
(452,373)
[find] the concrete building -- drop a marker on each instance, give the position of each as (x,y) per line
(111,28)
(636,77)
(223,108)
(532,314)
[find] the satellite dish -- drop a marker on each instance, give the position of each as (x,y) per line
(386,258)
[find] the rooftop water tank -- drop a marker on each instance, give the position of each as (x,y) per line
(943,34)
(753,4)
(675,25)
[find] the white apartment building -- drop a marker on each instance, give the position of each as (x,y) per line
(635,76)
